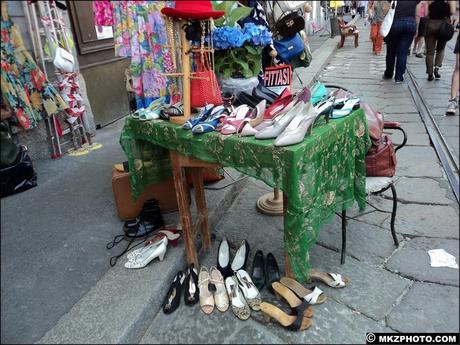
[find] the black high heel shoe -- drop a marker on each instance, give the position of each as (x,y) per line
(172,298)
(272,272)
(241,257)
(258,270)
(223,259)
(191,290)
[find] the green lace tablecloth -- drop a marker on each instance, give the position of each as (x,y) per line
(320,176)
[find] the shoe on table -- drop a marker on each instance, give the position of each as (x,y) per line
(452,108)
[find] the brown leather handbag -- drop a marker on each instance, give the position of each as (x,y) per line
(381,157)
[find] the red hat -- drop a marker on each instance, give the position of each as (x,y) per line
(192,10)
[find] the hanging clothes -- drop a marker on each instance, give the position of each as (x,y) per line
(140,33)
(103,15)
(24,86)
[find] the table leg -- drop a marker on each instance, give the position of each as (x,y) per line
(184,209)
(197,177)
(287,265)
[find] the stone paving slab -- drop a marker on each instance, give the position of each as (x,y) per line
(418,162)
(429,221)
(413,261)
(421,190)
(414,137)
(365,242)
(427,308)
(403,118)
(372,290)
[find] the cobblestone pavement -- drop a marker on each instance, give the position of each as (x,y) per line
(392,289)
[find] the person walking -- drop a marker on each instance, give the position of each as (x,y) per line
(362,8)
(452,108)
(377,10)
(399,39)
(419,40)
(438,11)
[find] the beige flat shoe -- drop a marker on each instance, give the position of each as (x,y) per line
(334,280)
(206,298)
(220,294)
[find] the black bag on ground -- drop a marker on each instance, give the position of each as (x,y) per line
(18,176)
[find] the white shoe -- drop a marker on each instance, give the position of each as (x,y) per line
(250,292)
(148,253)
(239,305)
(280,122)
(299,126)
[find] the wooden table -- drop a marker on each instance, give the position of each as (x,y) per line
(178,165)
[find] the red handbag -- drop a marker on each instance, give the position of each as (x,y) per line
(204,88)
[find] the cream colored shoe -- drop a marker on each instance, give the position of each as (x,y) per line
(206,297)
(220,294)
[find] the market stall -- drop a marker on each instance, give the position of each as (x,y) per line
(222,96)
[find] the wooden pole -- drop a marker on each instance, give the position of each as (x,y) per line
(185,80)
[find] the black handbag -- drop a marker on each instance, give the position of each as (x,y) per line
(19,176)
(290,24)
(446,31)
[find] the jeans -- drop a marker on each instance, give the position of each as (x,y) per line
(398,42)
(433,45)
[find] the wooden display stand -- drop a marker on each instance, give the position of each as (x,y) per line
(185,74)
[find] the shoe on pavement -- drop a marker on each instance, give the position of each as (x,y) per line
(452,108)
(430,77)
(436,73)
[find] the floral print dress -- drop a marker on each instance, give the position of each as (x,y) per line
(24,86)
(140,33)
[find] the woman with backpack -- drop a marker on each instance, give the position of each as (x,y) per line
(439,12)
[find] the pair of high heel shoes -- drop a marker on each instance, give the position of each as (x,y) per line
(243,119)
(242,291)
(291,125)
(299,316)
(265,271)
(207,120)
(212,290)
(183,281)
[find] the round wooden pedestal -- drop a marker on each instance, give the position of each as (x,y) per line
(271,203)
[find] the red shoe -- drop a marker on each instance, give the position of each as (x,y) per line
(278,105)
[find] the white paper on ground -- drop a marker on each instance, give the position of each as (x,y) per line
(441,258)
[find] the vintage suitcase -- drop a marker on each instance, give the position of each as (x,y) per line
(127,208)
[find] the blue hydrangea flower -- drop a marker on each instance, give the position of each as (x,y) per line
(228,37)
(258,35)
